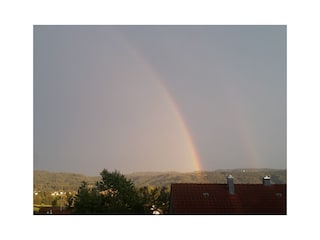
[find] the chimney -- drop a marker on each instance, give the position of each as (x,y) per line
(266,181)
(230,184)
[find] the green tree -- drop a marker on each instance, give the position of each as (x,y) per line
(54,203)
(87,200)
(70,200)
(162,200)
(118,194)
(154,198)
(145,198)
(113,194)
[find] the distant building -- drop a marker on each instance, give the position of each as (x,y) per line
(230,198)
(54,211)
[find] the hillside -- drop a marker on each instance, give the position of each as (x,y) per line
(59,181)
(52,181)
(250,176)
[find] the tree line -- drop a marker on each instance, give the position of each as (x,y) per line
(115,194)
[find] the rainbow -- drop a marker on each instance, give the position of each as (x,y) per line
(191,149)
(247,140)
(242,125)
(248,143)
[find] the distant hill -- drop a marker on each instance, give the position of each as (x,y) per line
(59,181)
(250,176)
(53,181)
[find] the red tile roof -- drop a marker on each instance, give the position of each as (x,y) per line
(215,199)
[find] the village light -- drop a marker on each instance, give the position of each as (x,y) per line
(155,211)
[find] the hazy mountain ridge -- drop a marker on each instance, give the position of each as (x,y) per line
(60,181)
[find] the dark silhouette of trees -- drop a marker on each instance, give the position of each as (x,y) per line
(154,198)
(87,200)
(115,194)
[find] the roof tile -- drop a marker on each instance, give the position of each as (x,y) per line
(189,198)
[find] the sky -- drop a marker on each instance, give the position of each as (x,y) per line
(159,98)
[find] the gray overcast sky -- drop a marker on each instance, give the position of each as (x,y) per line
(143,98)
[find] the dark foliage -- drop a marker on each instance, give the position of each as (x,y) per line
(113,194)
